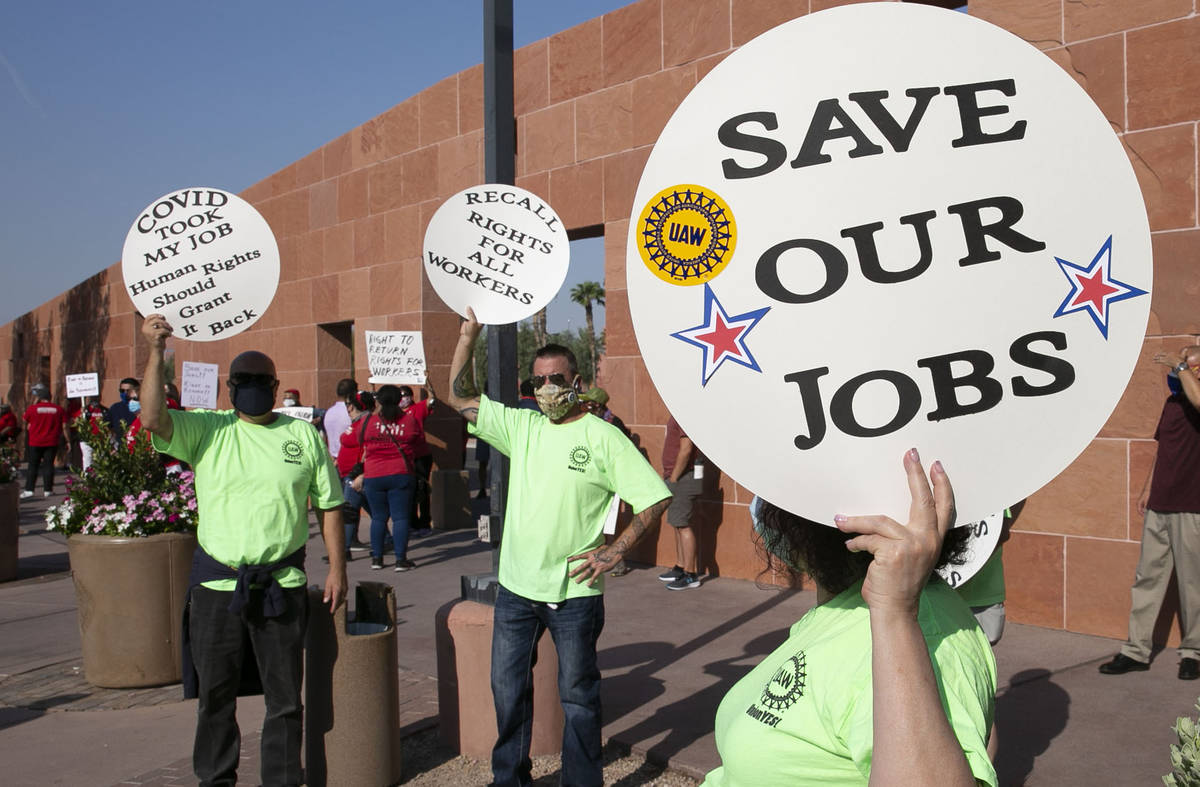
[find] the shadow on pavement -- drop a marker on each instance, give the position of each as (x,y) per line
(1029,716)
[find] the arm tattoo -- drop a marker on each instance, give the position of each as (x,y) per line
(470,413)
(464,387)
(641,523)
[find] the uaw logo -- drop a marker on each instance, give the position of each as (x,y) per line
(687,234)
(579,458)
(781,692)
(292,451)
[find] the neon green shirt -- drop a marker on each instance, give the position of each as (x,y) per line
(987,586)
(560,485)
(804,714)
(252,486)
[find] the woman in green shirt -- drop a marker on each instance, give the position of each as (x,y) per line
(888,680)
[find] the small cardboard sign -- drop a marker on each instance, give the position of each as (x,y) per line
(301,413)
(198,385)
(86,384)
(499,249)
(204,258)
(939,243)
(396,357)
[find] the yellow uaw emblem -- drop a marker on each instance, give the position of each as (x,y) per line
(687,234)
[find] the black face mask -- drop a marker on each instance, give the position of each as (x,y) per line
(253,399)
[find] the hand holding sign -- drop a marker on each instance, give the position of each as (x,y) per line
(396,357)
(499,249)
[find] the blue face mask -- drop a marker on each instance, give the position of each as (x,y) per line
(1173,383)
(124,396)
(134,405)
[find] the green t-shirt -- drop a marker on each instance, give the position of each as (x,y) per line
(987,586)
(804,714)
(253,483)
(560,485)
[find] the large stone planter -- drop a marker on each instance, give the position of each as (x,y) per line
(9,530)
(131,593)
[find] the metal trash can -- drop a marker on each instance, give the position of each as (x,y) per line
(352,696)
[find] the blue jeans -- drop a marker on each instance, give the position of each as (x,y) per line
(575,628)
(354,501)
(389,496)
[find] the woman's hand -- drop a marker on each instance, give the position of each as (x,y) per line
(904,555)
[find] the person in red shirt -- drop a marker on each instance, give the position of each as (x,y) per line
(47,424)
(388,471)
(9,428)
(414,417)
(97,429)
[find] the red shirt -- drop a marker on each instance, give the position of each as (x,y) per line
(414,426)
(45,422)
(1173,487)
(671,449)
(349,452)
(9,421)
(387,447)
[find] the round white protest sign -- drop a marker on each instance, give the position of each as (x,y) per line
(203,257)
(849,242)
(984,536)
(499,249)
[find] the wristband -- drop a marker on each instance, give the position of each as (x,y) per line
(1179,367)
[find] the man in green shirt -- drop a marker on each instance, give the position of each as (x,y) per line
(255,471)
(566,467)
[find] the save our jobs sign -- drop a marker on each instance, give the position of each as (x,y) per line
(396,357)
(500,250)
(853,242)
(203,257)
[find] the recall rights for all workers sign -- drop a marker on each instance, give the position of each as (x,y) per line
(206,259)
(882,226)
(498,249)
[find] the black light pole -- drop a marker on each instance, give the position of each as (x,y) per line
(499,146)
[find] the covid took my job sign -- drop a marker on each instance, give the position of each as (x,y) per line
(886,226)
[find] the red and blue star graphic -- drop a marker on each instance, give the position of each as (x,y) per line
(721,337)
(1093,288)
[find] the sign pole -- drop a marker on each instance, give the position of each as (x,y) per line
(499,143)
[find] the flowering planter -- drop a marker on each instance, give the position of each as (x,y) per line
(131,593)
(9,530)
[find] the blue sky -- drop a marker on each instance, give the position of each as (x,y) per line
(107,106)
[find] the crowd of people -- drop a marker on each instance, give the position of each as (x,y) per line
(890,661)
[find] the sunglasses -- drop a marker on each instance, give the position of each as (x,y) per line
(553,379)
(244,378)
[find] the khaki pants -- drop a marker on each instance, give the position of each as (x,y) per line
(1167,540)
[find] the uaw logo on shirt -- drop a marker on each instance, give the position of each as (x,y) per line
(292,452)
(687,234)
(579,458)
(781,692)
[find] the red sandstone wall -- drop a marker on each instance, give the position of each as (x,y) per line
(591,100)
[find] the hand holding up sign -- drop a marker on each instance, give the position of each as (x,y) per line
(904,555)
(156,329)
(908,713)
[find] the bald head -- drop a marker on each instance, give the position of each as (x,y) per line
(252,362)
(1192,354)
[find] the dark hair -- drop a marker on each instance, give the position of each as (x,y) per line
(556,351)
(406,391)
(130,381)
(526,387)
(389,402)
(172,390)
(795,546)
(364,401)
(346,388)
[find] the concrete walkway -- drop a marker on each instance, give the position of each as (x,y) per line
(668,658)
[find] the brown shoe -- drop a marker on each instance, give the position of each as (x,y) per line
(1121,664)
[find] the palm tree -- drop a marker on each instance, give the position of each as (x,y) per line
(585,293)
(540,335)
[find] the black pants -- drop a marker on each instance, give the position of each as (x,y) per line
(420,516)
(218,642)
(40,456)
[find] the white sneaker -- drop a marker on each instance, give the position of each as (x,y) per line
(45,494)
(25,493)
